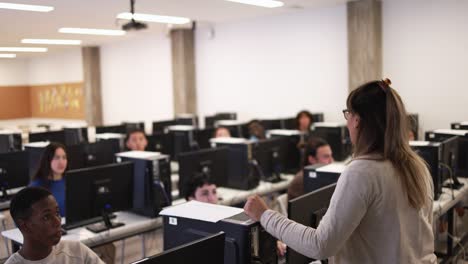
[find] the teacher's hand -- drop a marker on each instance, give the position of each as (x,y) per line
(255,207)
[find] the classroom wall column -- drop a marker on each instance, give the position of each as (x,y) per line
(364,41)
(92,85)
(183,71)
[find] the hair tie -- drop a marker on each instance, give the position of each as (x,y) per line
(385,84)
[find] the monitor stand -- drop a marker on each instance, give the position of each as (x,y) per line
(106,224)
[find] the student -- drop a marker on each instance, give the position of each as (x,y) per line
(304,120)
(318,151)
(49,174)
(381,210)
(201,189)
(136,140)
(256,130)
(221,132)
(36,213)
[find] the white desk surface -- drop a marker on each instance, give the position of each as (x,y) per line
(234,196)
(446,201)
(134,225)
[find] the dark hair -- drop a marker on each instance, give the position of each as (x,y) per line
(20,206)
(256,129)
(44,170)
(301,113)
(196,182)
(133,131)
(383,129)
(314,143)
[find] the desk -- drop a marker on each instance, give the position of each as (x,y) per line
(445,205)
(231,196)
(134,225)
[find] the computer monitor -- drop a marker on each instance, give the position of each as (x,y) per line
(158,142)
(430,152)
(210,163)
(459,125)
(209,249)
(337,136)
(289,123)
(181,139)
(293,151)
(241,174)
(118,129)
(10,141)
(203,136)
(187,120)
(53,136)
(270,155)
(130,126)
(449,161)
(318,117)
(308,210)
(236,129)
(92,193)
(210,121)
(319,175)
(161,126)
(440,135)
(92,154)
(14,171)
(269,124)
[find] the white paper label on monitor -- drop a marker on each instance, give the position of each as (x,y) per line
(119,159)
(172,221)
(312,174)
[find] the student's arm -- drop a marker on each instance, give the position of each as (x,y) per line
(347,207)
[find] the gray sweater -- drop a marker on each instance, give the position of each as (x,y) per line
(369,220)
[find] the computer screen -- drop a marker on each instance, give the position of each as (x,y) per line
(92,154)
(430,153)
(53,136)
(160,126)
(308,210)
(10,142)
(203,136)
(269,124)
(209,249)
(211,163)
(118,129)
(449,160)
(159,142)
(338,138)
(270,155)
(440,135)
(130,126)
(14,170)
(91,191)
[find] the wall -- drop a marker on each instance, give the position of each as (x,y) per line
(137,80)
(14,102)
(425,56)
(14,72)
(59,67)
(275,66)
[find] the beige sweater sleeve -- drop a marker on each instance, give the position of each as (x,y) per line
(347,207)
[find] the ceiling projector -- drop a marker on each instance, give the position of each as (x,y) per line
(134,25)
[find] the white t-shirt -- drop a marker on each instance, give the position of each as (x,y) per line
(65,252)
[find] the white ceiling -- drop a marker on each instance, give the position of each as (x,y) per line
(16,25)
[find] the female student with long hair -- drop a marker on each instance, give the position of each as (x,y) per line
(381,210)
(49,174)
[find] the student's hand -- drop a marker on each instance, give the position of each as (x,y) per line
(280,248)
(255,207)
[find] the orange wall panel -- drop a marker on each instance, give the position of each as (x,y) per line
(15,102)
(65,100)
